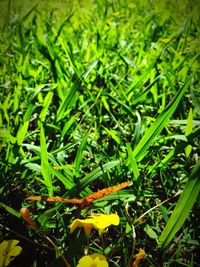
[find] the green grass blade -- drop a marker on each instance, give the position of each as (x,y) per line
(5,107)
(68,124)
(132,162)
(183,207)
(92,176)
(79,154)
(137,83)
(22,132)
(120,195)
(143,94)
(113,134)
(66,20)
(10,210)
(65,181)
(45,168)
(69,100)
(47,102)
(150,135)
(188,131)
(28,13)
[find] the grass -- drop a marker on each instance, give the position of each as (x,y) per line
(93,95)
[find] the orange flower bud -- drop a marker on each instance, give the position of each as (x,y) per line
(139,257)
(25,214)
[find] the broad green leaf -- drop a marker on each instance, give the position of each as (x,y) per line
(183,207)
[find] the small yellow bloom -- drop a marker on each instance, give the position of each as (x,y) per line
(94,260)
(8,250)
(98,222)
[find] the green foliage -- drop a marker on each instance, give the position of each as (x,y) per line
(92,94)
(183,207)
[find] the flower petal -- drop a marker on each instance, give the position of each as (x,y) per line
(4,261)
(85,261)
(98,221)
(100,260)
(15,251)
(3,245)
(80,223)
(12,243)
(8,249)
(103,220)
(96,260)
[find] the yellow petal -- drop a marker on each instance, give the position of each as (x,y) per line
(15,251)
(103,220)
(3,246)
(8,245)
(85,261)
(12,243)
(8,249)
(98,221)
(99,260)
(96,260)
(4,261)
(80,223)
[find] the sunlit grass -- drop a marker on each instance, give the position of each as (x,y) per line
(93,95)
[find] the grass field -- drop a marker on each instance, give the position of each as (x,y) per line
(94,94)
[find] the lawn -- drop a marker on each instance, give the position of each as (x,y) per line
(100,108)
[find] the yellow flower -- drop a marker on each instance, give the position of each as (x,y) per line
(104,220)
(8,250)
(94,260)
(98,222)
